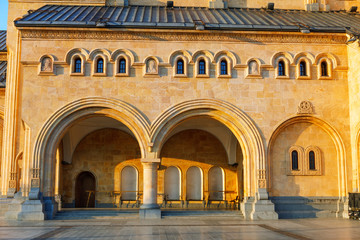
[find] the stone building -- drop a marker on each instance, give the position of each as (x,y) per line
(183,104)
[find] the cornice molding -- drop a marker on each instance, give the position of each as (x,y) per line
(185,36)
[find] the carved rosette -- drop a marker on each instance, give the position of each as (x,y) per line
(262,178)
(305,107)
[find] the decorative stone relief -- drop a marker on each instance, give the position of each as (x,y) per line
(305,107)
(47,65)
(151,66)
(253,68)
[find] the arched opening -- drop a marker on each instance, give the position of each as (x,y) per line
(303,69)
(180,66)
(324,69)
(172,183)
(202,67)
(100,65)
(194,184)
(216,184)
(223,67)
(122,65)
(129,183)
(294,160)
(211,159)
(281,68)
(85,190)
(77,65)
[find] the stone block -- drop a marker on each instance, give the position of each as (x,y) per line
(32,210)
(150,213)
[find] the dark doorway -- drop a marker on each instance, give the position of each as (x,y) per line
(85,182)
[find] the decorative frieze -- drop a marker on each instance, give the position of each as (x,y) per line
(184,36)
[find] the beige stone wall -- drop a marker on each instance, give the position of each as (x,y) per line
(266,100)
(303,135)
(104,153)
(197,148)
(354,98)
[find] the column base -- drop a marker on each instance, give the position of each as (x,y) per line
(150,211)
(14,207)
(32,210)
(263,210)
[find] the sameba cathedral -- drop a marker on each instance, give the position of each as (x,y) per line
(250,106)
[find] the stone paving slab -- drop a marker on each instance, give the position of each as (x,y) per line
(171,229)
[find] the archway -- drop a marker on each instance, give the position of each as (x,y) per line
(55,128)
(85,190)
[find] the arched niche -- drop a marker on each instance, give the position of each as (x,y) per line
(172,183)
(216,183)
(194,184)
(129,183)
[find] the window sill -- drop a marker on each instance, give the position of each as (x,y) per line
(224,76)
(77,74)
(99,74)
(43,73)
(325,78)
(121,75)
(180,76)
(202,76)
(303,78)
(282,77)
(253,76)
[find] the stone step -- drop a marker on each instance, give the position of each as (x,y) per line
(201,213)
(95,214)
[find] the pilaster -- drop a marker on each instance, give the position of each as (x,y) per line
(10,121)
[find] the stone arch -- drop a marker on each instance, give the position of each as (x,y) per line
(177,53)
(231,55)
(301,55)
(80,51)
(327,128)
(202,53)
(246,132)
(278,55)
(103,52)
(55,127)
(334,61)
(125,52)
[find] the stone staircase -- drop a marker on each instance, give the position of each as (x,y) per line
(4,206)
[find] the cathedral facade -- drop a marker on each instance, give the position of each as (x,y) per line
(244,105)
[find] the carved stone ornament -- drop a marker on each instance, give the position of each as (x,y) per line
(35,183)
(305,107)
(46,65)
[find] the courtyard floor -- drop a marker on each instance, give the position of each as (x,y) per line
(181,228)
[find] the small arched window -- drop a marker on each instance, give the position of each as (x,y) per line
(122,65)
(180,67)
(312,160)
(223,67)
(324,69)
(77,65)
(294,160)
(100,65)
(202,69)
(281,68)
(303,68)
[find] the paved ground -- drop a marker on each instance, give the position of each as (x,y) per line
(182,228)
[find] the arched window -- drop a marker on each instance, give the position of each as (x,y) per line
(194,184)
(122,65)
(202,68)
(129,183)
(223,67)
(303,68)
(324,69)
(216,184)
(312,160)
(100,65)
(281,68)
(77,65)
(180,67)
(172,183)
(294,160)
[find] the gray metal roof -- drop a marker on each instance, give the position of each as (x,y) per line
(2,41)
(3,66)
(189,18)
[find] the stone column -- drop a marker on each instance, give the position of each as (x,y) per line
(150,209)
